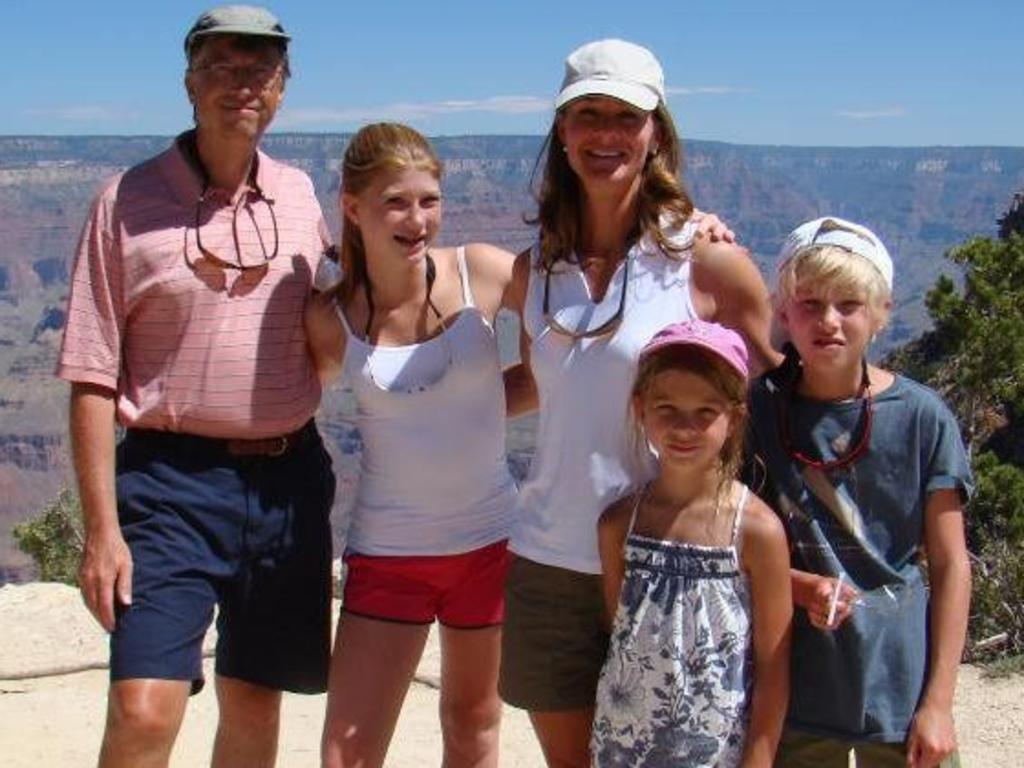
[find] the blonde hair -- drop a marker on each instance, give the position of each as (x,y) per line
(833,271)
(725,379)
(559,201)
(376,148)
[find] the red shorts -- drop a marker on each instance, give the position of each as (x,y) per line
(465,591)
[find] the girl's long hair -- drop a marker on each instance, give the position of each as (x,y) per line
(560,204)
(374,149)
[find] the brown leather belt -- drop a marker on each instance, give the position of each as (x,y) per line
(266,447)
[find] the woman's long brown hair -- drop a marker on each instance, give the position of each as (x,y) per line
(559,198)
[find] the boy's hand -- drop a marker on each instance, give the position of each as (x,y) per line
(932,737)
(819,602)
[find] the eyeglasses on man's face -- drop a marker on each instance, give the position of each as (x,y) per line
(224,73)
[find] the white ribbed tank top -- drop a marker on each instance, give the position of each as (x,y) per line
(586,456)
(433,476)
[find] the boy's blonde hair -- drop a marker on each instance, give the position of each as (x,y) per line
(830,270)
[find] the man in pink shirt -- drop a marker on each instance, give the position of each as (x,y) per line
(185,327)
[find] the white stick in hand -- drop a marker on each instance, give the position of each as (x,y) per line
(834,602)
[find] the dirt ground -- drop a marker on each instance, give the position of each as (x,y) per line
(56,720)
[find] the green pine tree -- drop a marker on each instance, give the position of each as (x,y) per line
(975,358)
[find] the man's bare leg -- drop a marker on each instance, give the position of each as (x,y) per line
(247,731)
(143,718)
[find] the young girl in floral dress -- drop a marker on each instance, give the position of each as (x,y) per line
(696,574)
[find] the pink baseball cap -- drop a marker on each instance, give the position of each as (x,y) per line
(715,338)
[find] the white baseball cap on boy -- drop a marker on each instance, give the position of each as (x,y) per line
(616,68)
(831,230)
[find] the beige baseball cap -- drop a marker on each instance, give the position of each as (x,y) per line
(616,68)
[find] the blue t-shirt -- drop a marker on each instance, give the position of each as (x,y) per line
(866,521)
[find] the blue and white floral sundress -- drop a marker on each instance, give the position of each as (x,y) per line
(675,688)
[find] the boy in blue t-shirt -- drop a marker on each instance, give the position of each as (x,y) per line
(869,472)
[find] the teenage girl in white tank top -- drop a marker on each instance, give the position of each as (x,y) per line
(435,409)
(411,328)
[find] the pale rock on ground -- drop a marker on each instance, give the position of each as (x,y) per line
(57,720)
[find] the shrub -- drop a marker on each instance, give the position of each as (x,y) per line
(53,538)
(997,510)
(981,330)
(995,533)
(975,359)
(996,601)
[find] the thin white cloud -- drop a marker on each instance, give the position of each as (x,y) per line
(872,114)
(504,105)
(85,114)
(700,90)
(412,111)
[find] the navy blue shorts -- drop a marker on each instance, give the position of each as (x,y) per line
(249,535)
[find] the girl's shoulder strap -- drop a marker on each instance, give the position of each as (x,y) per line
(535,254)
(343,320)
(738,517)
(533,293)
(467,291)
(636,511)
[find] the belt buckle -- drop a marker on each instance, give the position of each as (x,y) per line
(282,445)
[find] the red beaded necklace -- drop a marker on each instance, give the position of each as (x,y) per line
(860,445)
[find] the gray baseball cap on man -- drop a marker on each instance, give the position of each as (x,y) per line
(248,20)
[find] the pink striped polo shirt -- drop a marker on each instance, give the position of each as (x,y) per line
(207,351)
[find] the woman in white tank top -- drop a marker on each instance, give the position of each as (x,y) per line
(616,260)
(411,327)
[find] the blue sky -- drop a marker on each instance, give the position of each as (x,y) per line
(900,72)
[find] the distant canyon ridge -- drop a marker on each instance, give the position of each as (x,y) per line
(921,201)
